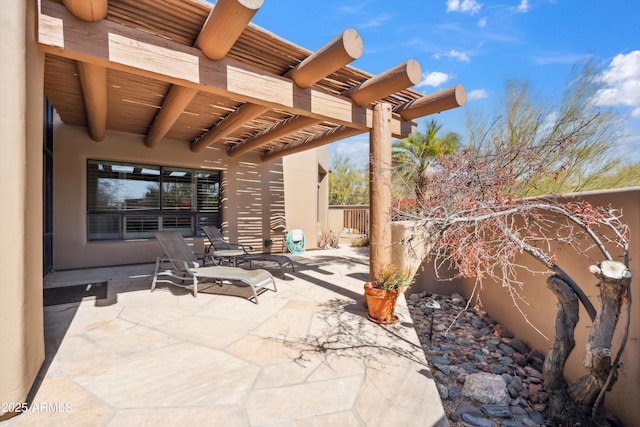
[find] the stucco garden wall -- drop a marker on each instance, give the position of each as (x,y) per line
(539,305)
(21,315)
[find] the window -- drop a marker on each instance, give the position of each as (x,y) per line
(131,201)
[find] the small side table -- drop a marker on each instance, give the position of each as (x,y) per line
(228,254)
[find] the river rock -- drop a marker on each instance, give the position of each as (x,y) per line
(486,388)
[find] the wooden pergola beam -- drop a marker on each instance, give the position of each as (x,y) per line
(342,50)
(446,99)
(281,129)
(226,21)
(118,47)
(93,79)
(232,122)
(394,80)
(87,10)
(175,102)
(328,137)
(339,52)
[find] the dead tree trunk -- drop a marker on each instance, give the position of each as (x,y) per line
(614,280)
(566,320)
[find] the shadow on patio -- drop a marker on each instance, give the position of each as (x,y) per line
(304,356)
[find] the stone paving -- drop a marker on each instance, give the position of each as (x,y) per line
(304,356)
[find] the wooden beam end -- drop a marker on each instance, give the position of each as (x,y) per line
(87,10)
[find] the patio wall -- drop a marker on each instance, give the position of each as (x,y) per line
(540,305)
(254,201)
(306,186)
(21,333)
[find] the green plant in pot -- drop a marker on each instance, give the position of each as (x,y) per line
(381,294)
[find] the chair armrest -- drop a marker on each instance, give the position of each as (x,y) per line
(240,246)
(180,261)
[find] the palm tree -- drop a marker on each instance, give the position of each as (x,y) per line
(414,157)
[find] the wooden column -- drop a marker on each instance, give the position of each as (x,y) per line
(380,190)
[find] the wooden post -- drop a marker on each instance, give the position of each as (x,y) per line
(380,190)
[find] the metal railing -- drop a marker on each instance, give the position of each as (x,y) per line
(355,218)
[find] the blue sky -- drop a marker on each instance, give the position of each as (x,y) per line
(481,45)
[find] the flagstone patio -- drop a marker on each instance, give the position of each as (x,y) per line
(304,356)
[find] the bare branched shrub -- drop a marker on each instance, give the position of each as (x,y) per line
(476,219)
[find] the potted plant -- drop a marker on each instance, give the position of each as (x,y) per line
(381,294)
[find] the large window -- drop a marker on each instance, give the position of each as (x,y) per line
(131,201)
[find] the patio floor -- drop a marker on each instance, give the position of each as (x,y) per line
(304,356)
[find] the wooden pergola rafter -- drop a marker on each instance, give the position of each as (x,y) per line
(208,67)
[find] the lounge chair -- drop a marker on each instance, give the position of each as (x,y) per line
(186,270)
(219,244)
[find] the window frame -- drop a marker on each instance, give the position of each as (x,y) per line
(187,220)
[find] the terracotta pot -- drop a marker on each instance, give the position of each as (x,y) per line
(381,304)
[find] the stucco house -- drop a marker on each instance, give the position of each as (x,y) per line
(124,117)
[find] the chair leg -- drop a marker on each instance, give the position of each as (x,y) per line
(195,286)
(155,275)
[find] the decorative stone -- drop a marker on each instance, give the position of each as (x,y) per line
(454,393)
(443,390)
(518,410)
(439,360)
(486,388)
(519,345)
(469,343)
(477,421)
(464,408)
(501,411)
(507,349)
(528,422)
(537,417)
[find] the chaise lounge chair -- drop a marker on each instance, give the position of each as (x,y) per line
(219,244)
(186,270)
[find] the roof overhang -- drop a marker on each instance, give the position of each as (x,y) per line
(179,70)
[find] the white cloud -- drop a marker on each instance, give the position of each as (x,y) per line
(636,113)
(454,54)
(435,79)
(482,22)
(460,56)
(376,22)
(622,79)
(477,94)
(523,7)
(352,8)
(470,6)
(566,58)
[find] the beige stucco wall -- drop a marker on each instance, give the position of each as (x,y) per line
(21,314)
(540,305)
(253,196)
(306,190)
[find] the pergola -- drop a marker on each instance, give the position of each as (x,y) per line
(185,72)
